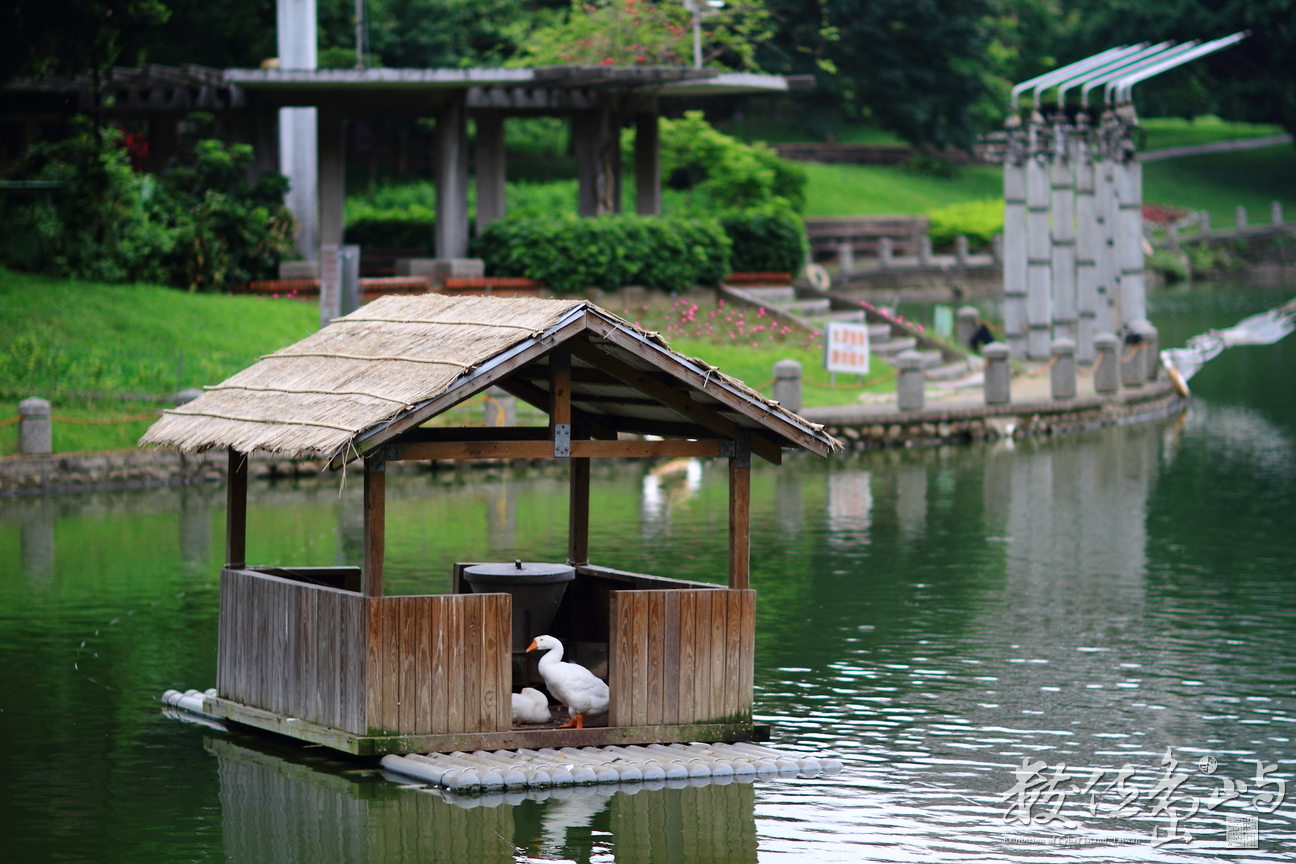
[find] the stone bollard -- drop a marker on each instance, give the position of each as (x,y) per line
(787,384)
(961,250)
(996,249)
(845,257)
(1063,374)
(925,251)
(1133,366)
(500,408)
(1106,375)
(998,374)
(1241,218)
(1151,349)
(968,318)
(1275,213)
(1203,222)
(886,251)
(910,381)
(35,433)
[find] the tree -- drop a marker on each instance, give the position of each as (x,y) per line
(1255,81)
(70,36)
(917,66)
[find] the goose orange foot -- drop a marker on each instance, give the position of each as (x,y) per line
(577,723)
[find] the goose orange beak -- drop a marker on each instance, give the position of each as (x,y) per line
(532,646)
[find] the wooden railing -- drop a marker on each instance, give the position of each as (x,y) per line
(413,665)
(679,656)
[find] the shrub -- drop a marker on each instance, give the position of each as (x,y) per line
(571,254)
(1171,264)
(398,230)
(765,241)
(979,220)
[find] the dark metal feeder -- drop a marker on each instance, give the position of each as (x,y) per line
(537,590)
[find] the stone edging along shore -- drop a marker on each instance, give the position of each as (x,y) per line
(862,429)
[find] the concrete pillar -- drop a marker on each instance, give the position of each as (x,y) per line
(298,153)
(886,250)
(1064,247)
(1129,240)
(490,163)
(845,257)
(1086,251)
(1108,271)
(1275,212)
(1241,218)
(35,434)
(332,179)
(350,294)
(1133,366)
(998,374)
(1039,260)
(996,249)
(924,251)
(910,381)
(1062,376)
(647,165)
(36,537)
(965,329)
(1151,349)
(961,250)
(500,408)
(451,178)
(1106,374)
(787,384)
(598,163)
(1014,258)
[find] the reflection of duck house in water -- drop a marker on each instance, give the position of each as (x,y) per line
(322,655)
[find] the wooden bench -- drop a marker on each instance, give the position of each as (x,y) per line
(829,233)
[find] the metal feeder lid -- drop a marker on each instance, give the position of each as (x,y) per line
(532,571)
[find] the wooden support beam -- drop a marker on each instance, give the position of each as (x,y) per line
(236,511)
(476,433)
(375,524)
(560,407)
(578,506)
(674,399)
(595,449)
(740,512)
(536,397)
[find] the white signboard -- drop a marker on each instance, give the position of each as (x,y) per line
(846,348)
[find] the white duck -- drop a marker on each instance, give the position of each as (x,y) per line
(578,688)
(530,706)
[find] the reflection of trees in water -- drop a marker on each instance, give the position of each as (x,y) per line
(300,808)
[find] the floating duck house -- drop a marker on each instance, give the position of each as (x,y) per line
(323,655)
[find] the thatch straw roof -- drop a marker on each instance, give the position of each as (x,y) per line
(400,360)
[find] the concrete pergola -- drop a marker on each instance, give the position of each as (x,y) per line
(598,99)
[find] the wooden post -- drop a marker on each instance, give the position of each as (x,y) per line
(375,517)
(236,511)
(560,412)
(740,511)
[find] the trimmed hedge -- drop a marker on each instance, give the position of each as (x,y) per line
(571,254)
(769,241)
(393,231)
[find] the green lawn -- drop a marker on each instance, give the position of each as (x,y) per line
(1162,132)
(1220,182)
(848,190)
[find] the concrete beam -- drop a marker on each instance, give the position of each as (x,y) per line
(451,177)
(598,162)
(490,162)
(1014,257)
(647,165)
(332,178)
(299,162)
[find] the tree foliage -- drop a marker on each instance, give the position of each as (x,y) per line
(71,36)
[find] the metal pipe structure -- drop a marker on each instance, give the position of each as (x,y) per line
(1014,240)
(1050,78)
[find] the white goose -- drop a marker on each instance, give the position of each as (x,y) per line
(575,686)
(530,706)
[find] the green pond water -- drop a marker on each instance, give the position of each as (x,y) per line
(944,621)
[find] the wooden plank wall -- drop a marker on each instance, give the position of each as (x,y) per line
(440,664)
(681,656)
(397,665)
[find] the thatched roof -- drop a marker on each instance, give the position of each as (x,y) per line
(400,360)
